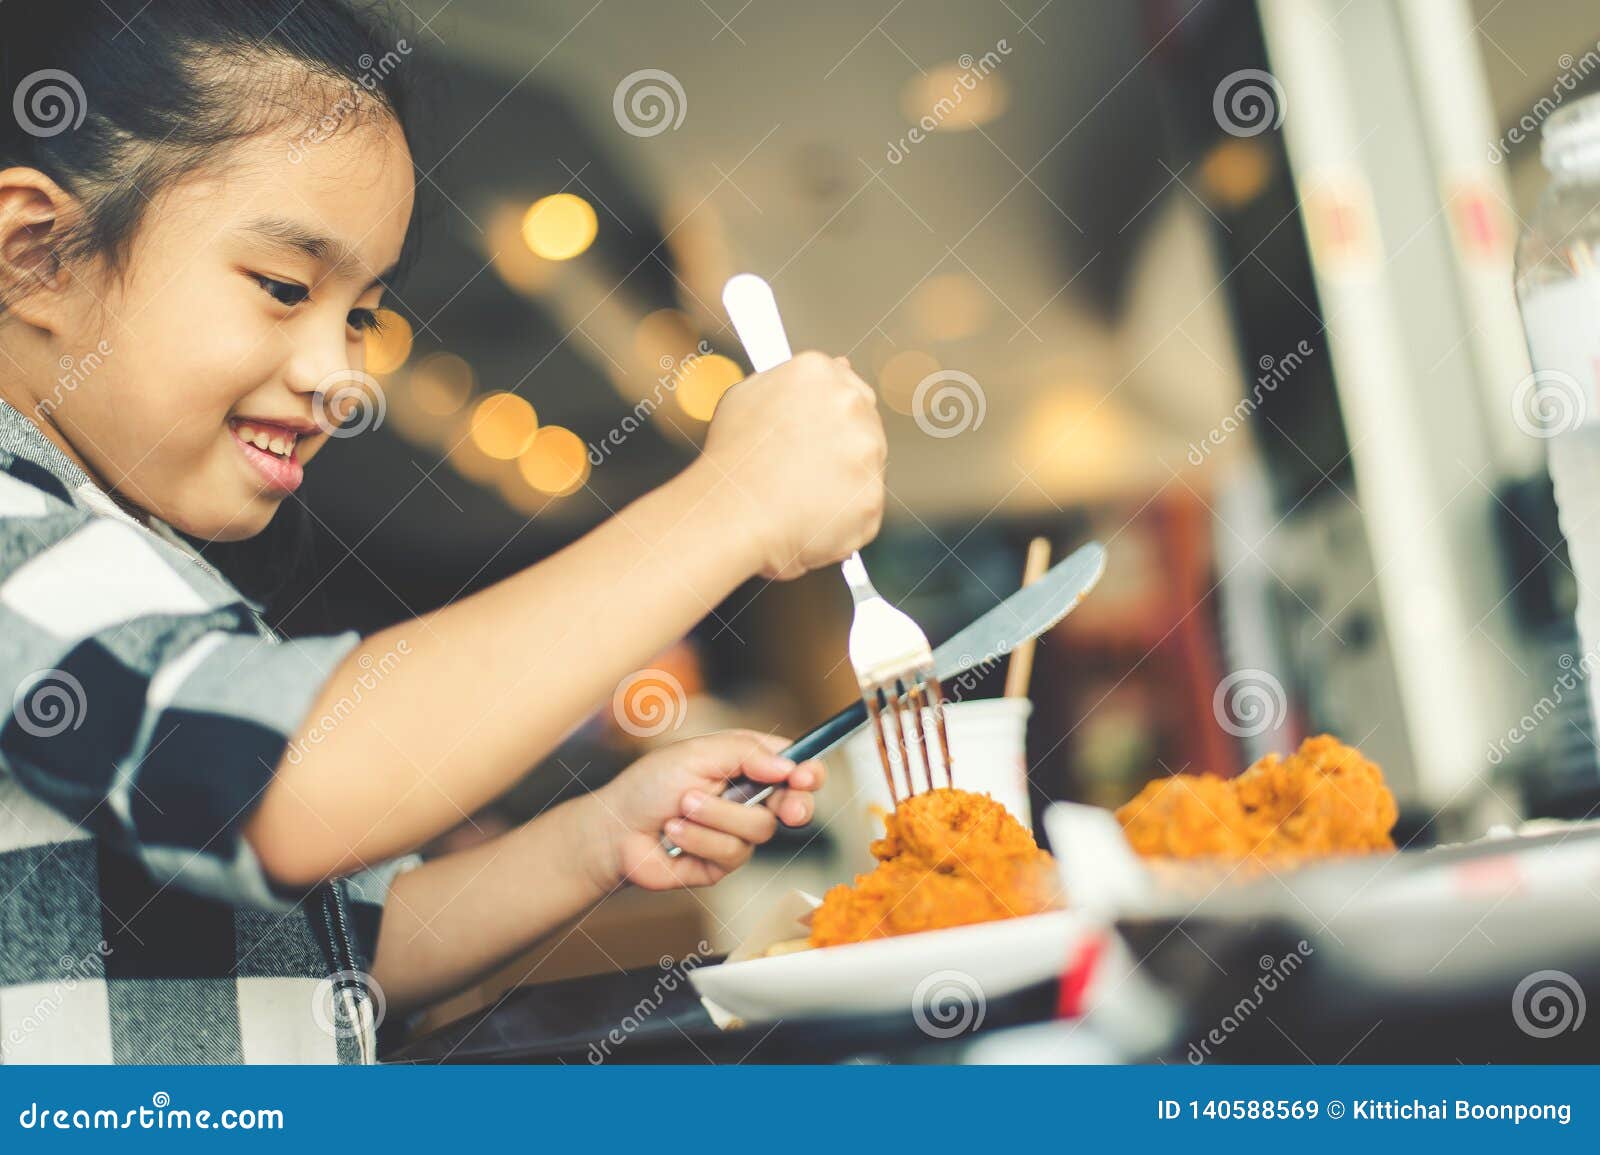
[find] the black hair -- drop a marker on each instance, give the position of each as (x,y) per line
(118,100)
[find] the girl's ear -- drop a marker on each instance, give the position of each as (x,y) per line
(32,209)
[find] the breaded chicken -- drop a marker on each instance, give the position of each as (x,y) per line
(946,827)
(1188,816)
(1324,799)
(947,858)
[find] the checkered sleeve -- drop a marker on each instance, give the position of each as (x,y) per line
(148,707)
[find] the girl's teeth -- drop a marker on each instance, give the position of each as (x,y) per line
(261,439)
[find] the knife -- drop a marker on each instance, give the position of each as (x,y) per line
(1026,614)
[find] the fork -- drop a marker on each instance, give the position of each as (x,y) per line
(894,665)
(891,656)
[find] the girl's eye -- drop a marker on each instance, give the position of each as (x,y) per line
(366,321)
(283,292)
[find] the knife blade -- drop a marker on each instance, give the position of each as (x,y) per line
(963,658)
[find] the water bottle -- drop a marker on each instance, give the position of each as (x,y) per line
(1558,292)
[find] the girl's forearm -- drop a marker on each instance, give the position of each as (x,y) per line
(472,695)
(454,919)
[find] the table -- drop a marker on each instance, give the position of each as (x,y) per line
(573,1021)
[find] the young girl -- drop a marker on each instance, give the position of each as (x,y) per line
(192,869)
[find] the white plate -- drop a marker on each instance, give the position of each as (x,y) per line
(930,970)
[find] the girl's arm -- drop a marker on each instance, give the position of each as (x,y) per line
(454,919)
(791,478)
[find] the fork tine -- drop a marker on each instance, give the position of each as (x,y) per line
(891,693)
(936,696)
(890,655)
(874,711)
(914,695)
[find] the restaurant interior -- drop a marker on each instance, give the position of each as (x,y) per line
(1224,286)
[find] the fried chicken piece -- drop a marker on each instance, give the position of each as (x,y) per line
(1189,816)
(1324,799)
(947,858)
(945,828)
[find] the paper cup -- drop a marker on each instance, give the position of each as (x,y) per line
(988,745)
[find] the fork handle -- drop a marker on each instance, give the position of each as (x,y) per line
(855,575)
(754,312)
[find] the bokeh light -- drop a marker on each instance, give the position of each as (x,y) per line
(441,383)
(560,226)
(1234,172)
(901,374)
(703,380)
(503,425)
(949,307)
(514,263)
(663,338)
(1075,440)
(556,463)
(389,345)
(964,107)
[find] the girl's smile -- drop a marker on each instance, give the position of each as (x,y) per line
(269,449)
(219,224)
(243,301)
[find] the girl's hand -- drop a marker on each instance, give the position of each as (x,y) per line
(673,790)
(799,451)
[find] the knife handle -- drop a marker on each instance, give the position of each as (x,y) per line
(812,744)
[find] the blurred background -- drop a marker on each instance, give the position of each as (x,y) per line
(1225,285)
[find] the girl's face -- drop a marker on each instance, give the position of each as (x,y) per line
(198,370)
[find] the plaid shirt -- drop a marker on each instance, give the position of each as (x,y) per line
(150,704)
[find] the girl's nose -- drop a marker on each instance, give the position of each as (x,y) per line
(321,364)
